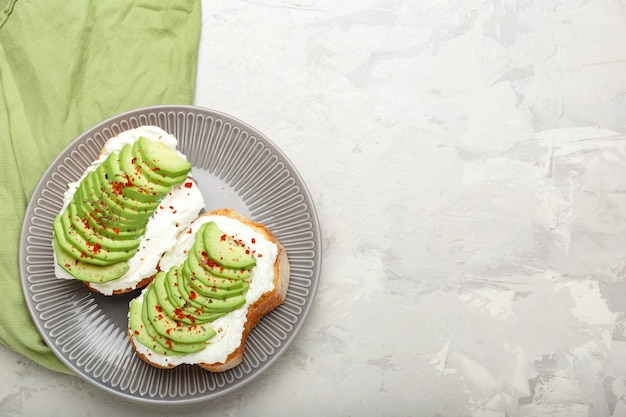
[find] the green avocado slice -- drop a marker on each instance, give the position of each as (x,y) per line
(71,248)
(81,225)
(151,301)
(136,321)
(169,328)
(215,292)
(152,174)
(136,176)
(183,310)
(91,253)
(87,272)
(114,189)
(225,250)
(117,232)
(159,157)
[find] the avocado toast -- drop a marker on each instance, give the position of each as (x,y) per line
(224,273)
(125,211)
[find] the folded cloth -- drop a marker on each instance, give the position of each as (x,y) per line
(66,65)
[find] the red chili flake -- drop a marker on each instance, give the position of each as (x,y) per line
(188,184)
(136,332)
(96,248)
(189,231)
(253,240)
(223,237)
(116,230)
(158,308)
(260,255)
(161,207)
(192,295)
(171,208)
(117,187)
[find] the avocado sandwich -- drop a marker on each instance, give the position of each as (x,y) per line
(125,212)
(223,274)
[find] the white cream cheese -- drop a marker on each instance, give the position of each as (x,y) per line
(176,211)
(229,327)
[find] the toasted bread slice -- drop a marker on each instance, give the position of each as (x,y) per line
(254,311)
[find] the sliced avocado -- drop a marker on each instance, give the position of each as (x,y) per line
(165,300)
(110,167)
(225,250)
(138,323)
(158,156)
(115,191)
(203,278)
(215,292)
(81,225)
(218,305)
(171,284)
(165,343)
(212,267)
(59,237)
(221,272)
(151,298)
(85,210)
(115,202)
(87,272)
(141,195)
(107,212)
(120,232)
(121,211)
(120,223)
(112,215)
(121,183)
(152,174)
(136,176)
(197,300)
(184,310)
(170,328)
(195,270)
(91,253)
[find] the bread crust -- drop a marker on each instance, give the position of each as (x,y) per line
(119,291)
(266,303)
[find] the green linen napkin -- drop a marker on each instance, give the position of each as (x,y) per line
(66,65)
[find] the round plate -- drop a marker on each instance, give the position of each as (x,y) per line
(235,166)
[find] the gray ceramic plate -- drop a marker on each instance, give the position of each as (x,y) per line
(236,167)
